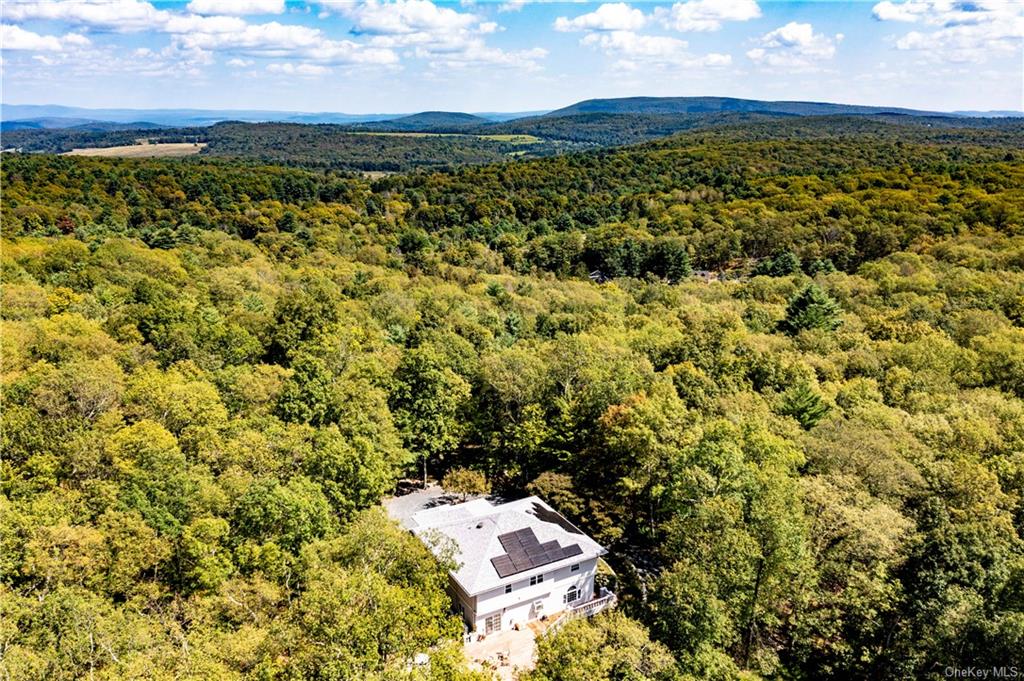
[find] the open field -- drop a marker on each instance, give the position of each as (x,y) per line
(513,138)
(168,150)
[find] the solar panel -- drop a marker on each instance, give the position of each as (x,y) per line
(554,517)
(503,566)
(523,552)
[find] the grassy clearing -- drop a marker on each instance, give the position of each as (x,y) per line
(513,139)
(144,150)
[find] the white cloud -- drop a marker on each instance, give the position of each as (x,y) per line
(298,69)
(438,34)
(716,59)
(122,16)
(512,5)
(16,38)
(633,51)
(794,46)
(446,38)
(192,23)
(274,39)
(479,54)
(236,7)
(963,32)
(119,15)
(706,15)
(404,17)
(239,63)
(630,44)
(608,17)
(612,28)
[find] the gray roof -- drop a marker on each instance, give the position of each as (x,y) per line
(474,529)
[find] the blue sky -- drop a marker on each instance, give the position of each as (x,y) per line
(364,56)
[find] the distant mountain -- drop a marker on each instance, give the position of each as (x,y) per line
(43,123)
(25,116)
(606,129)
(107,126)
(500,116)
(428,121)
(175,117)
(322,118)
(990,114)
(81,124)
(704,105)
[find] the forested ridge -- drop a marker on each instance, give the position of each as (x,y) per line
(790,403)
(438,140)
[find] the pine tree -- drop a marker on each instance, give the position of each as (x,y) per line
(812,308)
(785,264)
(804,405)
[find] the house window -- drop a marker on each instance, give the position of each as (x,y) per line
(572,595)
(536,579)
(575,568)
(492,624)
(508,588)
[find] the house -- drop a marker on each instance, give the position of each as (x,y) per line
(516,562)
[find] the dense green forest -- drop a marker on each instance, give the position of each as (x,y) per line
(777,369)
(313,146)
(444,141)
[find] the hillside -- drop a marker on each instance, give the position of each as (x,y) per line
(789,401)
(612,129)
(698,105)
(429,121)
(316,146)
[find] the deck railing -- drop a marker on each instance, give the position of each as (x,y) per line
(604,600)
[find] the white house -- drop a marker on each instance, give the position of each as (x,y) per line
(517,561)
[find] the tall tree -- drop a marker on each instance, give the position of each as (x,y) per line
(427,402)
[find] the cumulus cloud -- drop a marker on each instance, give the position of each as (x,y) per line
(634,50)
(706,15)
(198,33)
(404,17)
(16,38)
(794,46)
(608,17)
(207,26)
(118,15)
(962,31)
(274,39)
(290,69)
(239,63)
(479,54)
(192,23)
(443,36)
(512,5)
(630,44)
(236,7)
(612,28)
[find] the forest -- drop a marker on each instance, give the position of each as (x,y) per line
(775,367)
(447,141)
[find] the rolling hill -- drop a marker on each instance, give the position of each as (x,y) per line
(428,121)
(703,105)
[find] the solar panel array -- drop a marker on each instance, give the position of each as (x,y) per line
(523,552)
(549,516)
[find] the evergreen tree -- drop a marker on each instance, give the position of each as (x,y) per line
(812,308)
(804,405)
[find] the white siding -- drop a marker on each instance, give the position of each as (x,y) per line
(517,606)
